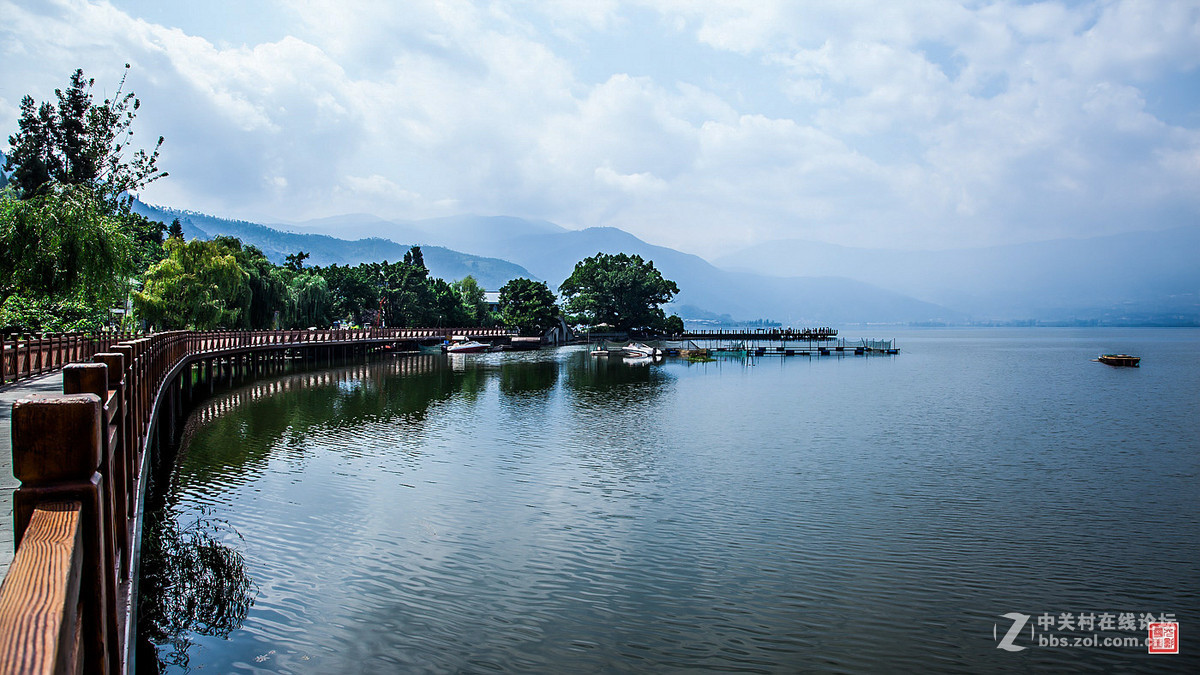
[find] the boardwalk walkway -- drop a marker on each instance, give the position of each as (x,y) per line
(50,383)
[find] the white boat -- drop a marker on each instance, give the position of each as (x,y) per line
(637,349)
(468,347)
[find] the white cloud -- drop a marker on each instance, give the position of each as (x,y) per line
(930,123)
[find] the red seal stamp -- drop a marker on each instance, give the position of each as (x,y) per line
(1164,638)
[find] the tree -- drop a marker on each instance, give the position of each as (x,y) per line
(673,325)
(62,241)
(311,301)
(528,306)
(355,290)
(269,286)
(619,290)
(80,142)
(175,231)
(199,285)
(73,244)
(449,306)
(295,261)
(408,295)
(415,257)
(474,303)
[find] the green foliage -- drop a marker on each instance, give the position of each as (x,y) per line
(199,285)
(449,306)
(415,257)
(63,243)
(80,142)
(471,297)
(311,302)
(408,296)
(175,231)
(528,306)
(268,286)
(295,261)
(69,238)
(354,291)
(66,315)
(673,325)
(619,290)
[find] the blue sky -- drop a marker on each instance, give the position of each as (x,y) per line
(702,125)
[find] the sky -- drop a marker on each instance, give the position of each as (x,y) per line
(704,125)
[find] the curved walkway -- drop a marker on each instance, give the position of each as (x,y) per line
(50,383)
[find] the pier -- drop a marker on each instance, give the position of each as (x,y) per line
(768,334)
(68,603)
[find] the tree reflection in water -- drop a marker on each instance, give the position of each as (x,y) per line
(191,584)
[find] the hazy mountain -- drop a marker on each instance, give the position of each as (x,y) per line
(550,252)
(1149,276)
(477,235)
(324,250)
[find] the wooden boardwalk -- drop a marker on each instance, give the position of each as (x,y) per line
(47,383)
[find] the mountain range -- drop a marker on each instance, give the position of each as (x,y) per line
(1124,279)
(550,252)
(326,250)
(1143,277)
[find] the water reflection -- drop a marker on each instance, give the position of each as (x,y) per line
(192,584)
(240,430)
(526,378)
(595,382)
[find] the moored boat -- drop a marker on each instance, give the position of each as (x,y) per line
(468,347)
(637,349)
(1120,360)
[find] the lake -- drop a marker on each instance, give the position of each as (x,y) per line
(556,512)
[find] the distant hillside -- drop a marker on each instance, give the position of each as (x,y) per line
(492,273)
(1146,277)
(551,252)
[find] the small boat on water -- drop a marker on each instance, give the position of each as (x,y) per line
(468,347)
(1120,360)
(637,350)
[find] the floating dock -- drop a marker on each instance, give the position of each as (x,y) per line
(703,347)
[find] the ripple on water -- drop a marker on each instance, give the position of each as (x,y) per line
(558,513)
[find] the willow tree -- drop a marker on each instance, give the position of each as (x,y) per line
(60,242)
(199,285)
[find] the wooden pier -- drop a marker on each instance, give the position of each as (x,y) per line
(765,334)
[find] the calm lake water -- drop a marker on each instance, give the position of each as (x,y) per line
(555,512)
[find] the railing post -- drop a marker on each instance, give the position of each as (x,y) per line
(125,454)
(93,378)
(56,453)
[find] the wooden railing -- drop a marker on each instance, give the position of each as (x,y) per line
(65,604)
(23,356)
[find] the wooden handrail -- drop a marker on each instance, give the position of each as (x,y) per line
(39,627)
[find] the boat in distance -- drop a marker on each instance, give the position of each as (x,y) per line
(637,349)
(468,347)
(1120,360)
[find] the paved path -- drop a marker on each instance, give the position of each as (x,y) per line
(50,383)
